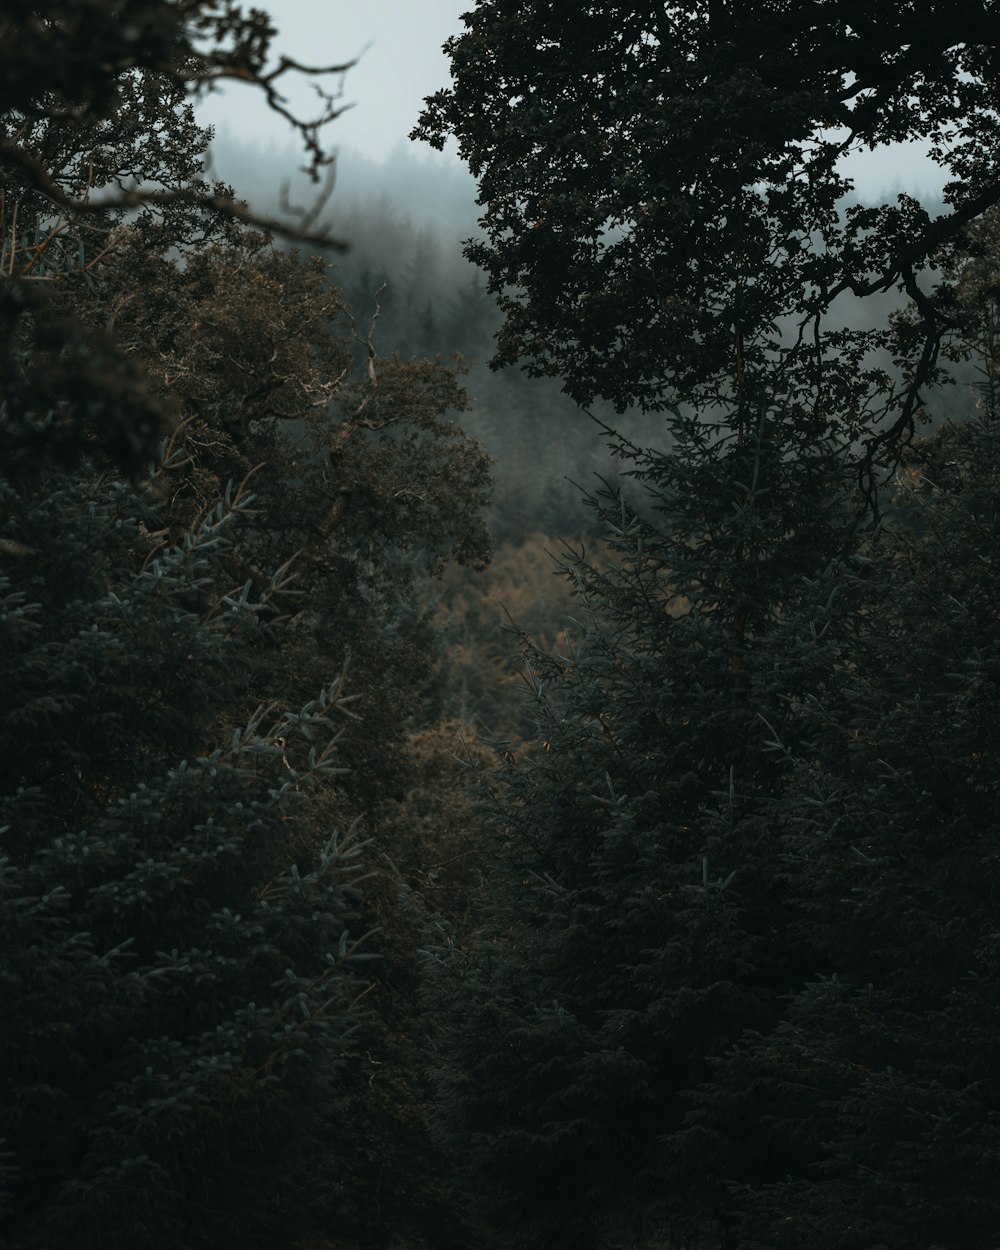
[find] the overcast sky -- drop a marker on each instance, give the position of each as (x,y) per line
(404,63)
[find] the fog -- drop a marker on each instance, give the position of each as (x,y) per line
(404,219)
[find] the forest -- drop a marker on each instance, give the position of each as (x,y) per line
(499,670)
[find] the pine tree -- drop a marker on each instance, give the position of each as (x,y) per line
(878,1091)
(665,226)
(181,914)
(639,923)
(177,971)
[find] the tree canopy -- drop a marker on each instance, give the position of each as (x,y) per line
(664,204)
(713,964)
(80,62)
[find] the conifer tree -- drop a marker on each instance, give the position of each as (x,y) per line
(877,1093)
(176,925)
(639,926)
(181,862)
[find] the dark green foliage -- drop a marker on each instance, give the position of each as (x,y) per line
(639,923)
(176,964)
(662,191)
(878,1092)
(178,907)
(96,120)
(68,388)
(80,60)
(735,987)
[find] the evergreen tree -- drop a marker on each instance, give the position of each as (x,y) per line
(878,1093)
(176,971)
(639,925)
(181,915)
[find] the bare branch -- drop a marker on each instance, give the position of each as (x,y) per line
(41,181)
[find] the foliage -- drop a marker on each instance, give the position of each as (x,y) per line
(430,829)
(95,122)
(709,1005)
(176,959)
(877,1093)
(433,302)
(178,903)
(662,193)
(479,682)
(87,63)
(878,1089)
(637,926)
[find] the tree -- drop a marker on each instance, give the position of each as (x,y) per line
(878,1091)
(637,926)
(176,956)
(204,521)
(665,226)
(663,202)
(82,64)
(94,122)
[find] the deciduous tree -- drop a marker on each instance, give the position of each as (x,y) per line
(663,193)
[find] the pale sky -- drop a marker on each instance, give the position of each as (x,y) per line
(404,63)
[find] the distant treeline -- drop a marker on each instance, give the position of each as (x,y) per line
(405,220)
